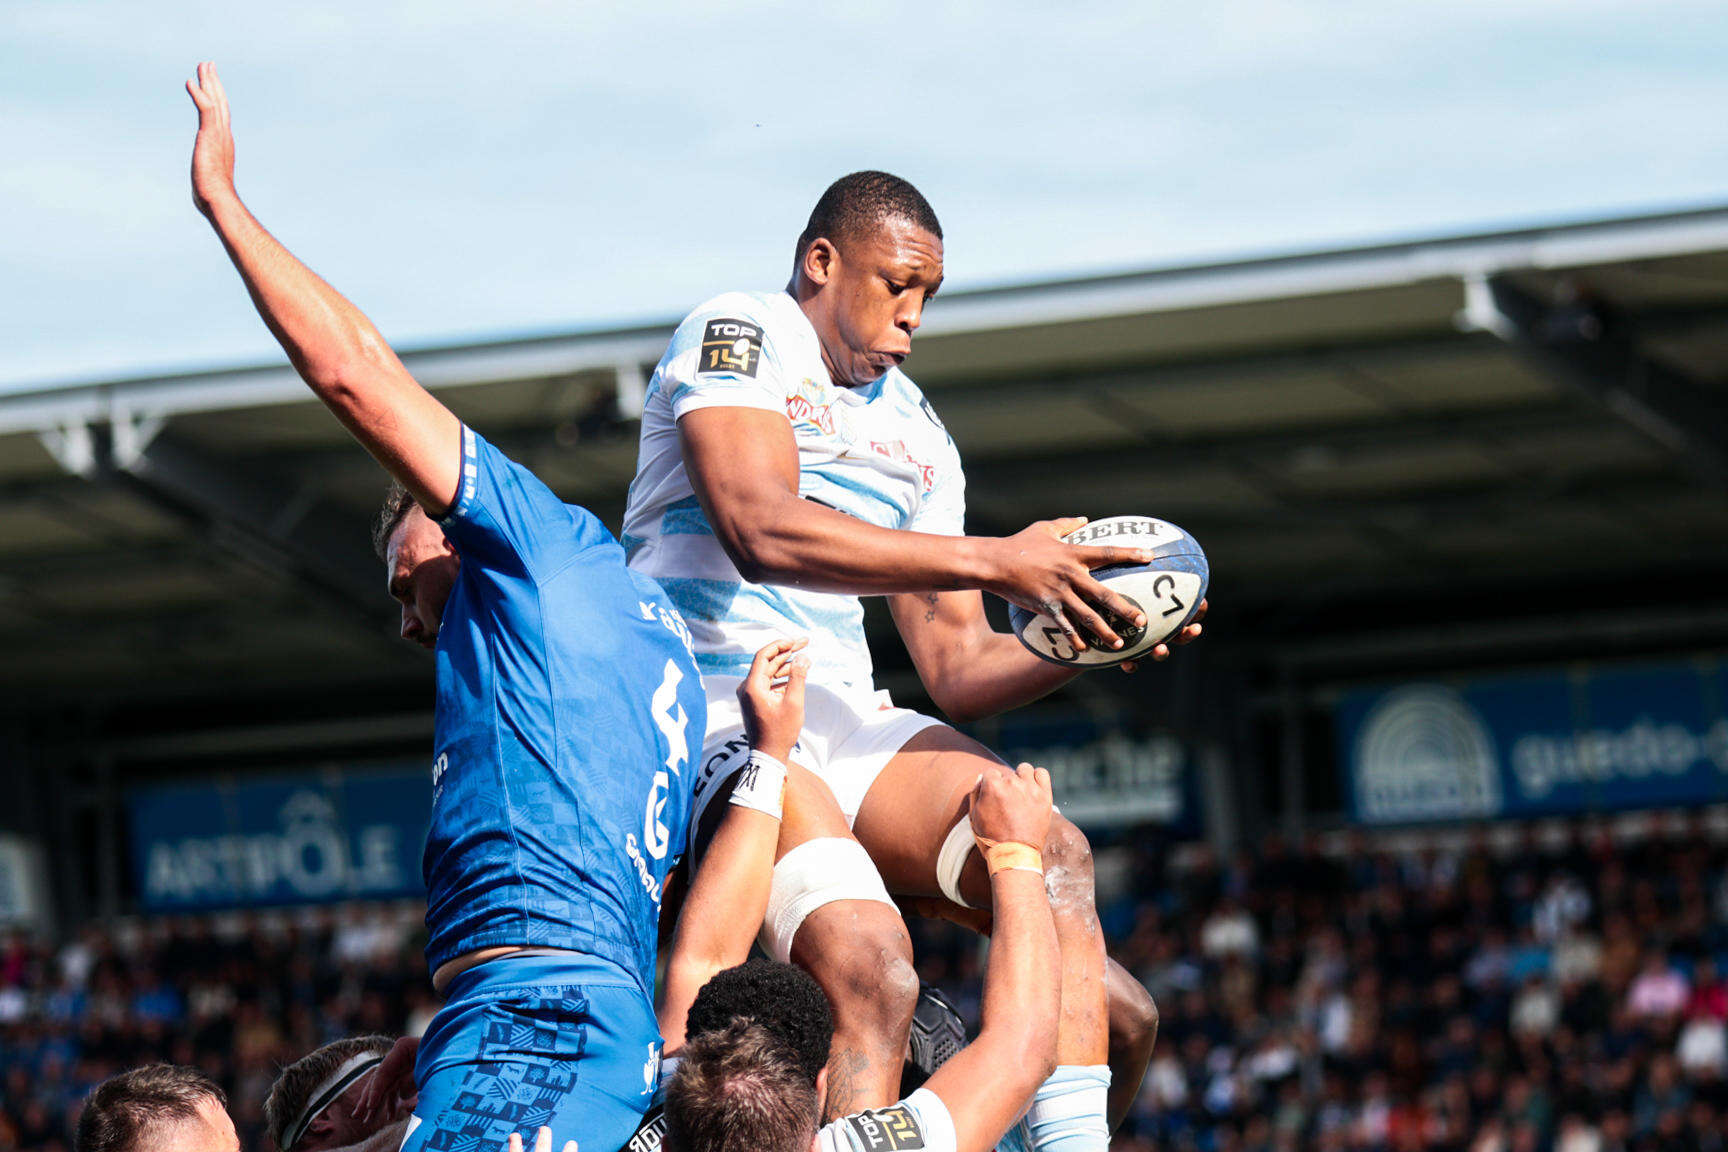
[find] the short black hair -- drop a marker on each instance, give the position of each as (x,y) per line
(856,204)
(127,1113)
(784,1000)
(398,501)
(740,1090)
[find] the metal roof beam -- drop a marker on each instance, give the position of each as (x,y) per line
(1581,342)
(244,515)
(1163,451)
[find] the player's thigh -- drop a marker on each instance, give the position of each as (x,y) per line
(581,1061)
(918,797)
(811,814)
(828,908)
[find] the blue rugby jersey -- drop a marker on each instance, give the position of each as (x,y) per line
(569,713)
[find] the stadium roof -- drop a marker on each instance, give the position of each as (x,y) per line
(1443,421)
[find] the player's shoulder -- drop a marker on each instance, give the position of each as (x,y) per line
(762,308)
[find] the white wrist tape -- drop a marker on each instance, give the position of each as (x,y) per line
(761,785)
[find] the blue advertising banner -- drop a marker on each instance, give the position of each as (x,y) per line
(1102,772)
(1580,740)
(334,835)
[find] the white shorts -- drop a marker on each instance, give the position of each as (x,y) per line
(849,737)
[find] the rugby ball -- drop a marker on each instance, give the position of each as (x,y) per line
(1168,590)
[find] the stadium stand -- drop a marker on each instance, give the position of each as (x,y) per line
(1447,459)
(1557,996)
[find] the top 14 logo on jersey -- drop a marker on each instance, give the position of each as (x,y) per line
(731,346)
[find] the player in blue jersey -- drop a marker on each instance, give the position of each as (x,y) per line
(787,467)
(569,713)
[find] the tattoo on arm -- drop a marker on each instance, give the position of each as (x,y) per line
(845,1067)
(931,599)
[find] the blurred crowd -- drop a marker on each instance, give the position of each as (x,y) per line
(1565,996)
(236,996)
(1562,996)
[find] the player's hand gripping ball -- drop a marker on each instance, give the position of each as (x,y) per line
(1168,590)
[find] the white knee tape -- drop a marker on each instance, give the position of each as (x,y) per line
(815,873)
(952,859)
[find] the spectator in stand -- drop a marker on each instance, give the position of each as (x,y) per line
(1659,990)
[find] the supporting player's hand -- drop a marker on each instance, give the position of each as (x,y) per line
(772,696)
(213,151)
(542,1142)
(389,1092)
(1188,635)
(1042,574)
(1013,805)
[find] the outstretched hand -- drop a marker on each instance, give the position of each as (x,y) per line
(213,151)
(772,698)
(389,1091)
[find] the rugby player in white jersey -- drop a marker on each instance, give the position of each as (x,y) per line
(787,467)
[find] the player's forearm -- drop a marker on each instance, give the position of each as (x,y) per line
(991,1081)
(995,674)
(970,670)
(1022,984)
(728,898)
(798,542)
(345,361)
(330,342)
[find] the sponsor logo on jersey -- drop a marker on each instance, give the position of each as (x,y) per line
(893,1129)
(812,404)
(733,346)
(897,451)
(633,849)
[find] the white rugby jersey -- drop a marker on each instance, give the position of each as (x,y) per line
(919,1123)
(878,453)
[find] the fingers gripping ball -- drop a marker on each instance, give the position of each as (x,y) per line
(1168,590)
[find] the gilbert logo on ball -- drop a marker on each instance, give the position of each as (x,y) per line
(1168,590)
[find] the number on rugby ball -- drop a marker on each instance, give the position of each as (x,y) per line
(1168,590)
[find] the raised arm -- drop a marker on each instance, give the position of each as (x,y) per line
(743,464)
(990,1082)
(729,892)
(336,350)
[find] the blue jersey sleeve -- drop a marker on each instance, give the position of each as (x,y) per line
(505,517)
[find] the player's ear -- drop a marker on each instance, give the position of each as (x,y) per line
(820,260)
(822,1092)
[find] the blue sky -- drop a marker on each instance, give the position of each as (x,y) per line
(465,170)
